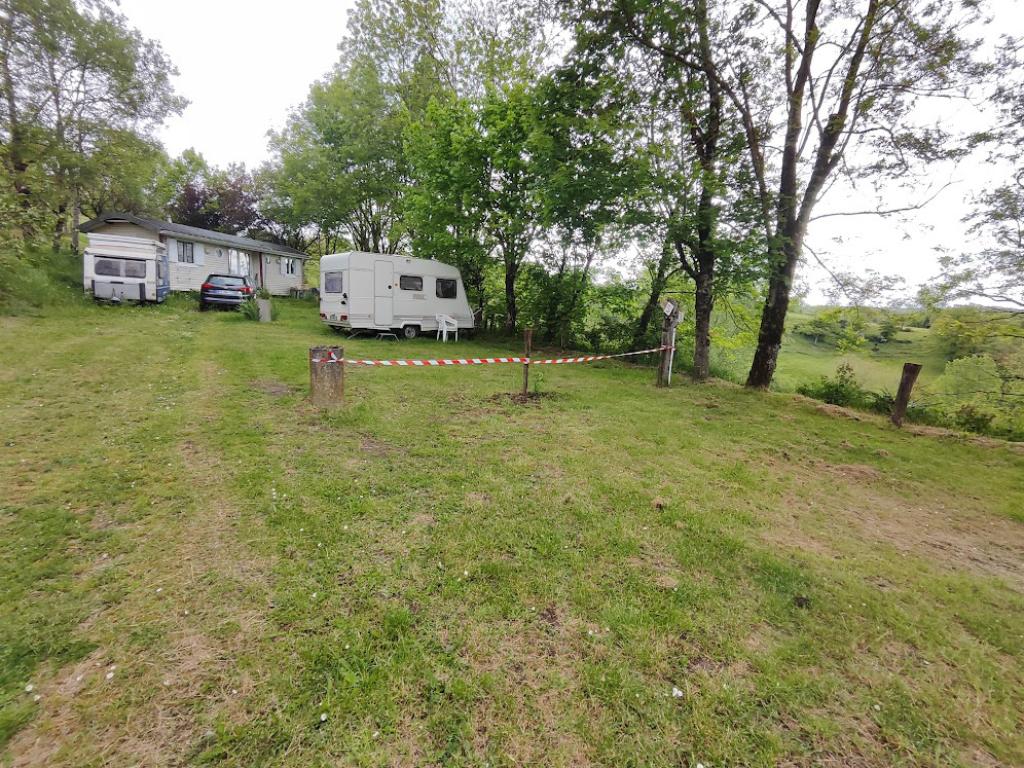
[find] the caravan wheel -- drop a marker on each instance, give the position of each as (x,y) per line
(410,331)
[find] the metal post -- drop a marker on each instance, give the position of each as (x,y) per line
(527,344)
(668,341)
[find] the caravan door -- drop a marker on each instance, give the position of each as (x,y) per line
(383,306)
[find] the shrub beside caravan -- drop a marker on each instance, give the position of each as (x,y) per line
(386,292)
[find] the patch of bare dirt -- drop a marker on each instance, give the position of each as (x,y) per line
(837,410)
(550,615)
(857,472)
(857,508)
(272,387)
(941,433)
(658,568)
(539,685)
(373,446)
(531,398)
(422,520)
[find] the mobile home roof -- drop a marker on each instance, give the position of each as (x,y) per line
(193,233)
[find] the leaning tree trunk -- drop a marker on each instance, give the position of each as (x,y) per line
(703,304)
(773,316)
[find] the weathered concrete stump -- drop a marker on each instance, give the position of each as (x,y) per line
(264,307)
(326,376)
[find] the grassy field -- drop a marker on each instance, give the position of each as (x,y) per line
(199,569)
(877,367)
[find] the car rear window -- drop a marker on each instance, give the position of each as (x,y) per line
(223,281)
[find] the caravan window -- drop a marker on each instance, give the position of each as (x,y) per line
(119,268)
(332,282)
(134,268)
(446,288)
(107,267)
(410,283)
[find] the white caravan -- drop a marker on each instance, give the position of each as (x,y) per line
(117,268)
(385,292)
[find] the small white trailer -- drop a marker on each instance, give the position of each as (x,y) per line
(390,293)
(119,269)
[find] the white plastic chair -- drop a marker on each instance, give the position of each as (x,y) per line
(445,325)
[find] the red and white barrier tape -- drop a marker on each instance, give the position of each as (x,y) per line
(332,358)
(592,358)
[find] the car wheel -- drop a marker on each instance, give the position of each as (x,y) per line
(410,331)
(202,306)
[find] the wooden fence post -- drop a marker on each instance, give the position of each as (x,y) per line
(528,346)
(907,380)
(326,376)
(668,339)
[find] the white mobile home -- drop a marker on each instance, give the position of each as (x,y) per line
(386,292)
(189,254)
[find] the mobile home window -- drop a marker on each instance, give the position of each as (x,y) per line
(289,266)
(446,288)
(410,283)
(133,268)
(236,265)
(186,253)
(332,282)
(107,267)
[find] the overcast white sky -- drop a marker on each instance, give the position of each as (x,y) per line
(245,63)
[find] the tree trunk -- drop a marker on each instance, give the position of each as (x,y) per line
(58,227)
(773,316)
(511,311)
(76,220)
(658,283)
(703,304)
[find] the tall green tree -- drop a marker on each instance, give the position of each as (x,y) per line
(444,205)
(489,200)
(850,81)
(692,143)
(342,161)
(587,175)
(73,84)
(820,89)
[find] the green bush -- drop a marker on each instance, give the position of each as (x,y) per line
(974,418)
(842,389)
(978,417)
(249,310)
